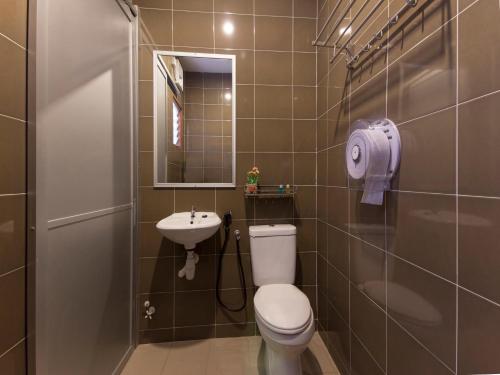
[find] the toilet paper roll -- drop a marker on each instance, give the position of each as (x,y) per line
(368,154)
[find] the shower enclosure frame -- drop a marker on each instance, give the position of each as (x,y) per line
(33,293)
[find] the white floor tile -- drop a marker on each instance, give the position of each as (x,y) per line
(223,356)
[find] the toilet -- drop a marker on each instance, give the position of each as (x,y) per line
(282,311)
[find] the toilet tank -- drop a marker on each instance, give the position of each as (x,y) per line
(273,253)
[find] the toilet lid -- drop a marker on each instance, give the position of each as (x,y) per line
(283,307)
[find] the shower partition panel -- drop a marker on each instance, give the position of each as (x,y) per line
(85,178)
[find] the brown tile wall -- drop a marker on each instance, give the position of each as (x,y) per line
(208,127)
(276,130)
(412,287)
(13,71)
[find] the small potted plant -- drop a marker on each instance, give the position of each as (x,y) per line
(253,177)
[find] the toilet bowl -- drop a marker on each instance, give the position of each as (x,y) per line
(286,323)
(282,311)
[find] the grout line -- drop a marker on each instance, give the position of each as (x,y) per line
(12,195)
(369,352)
(385,202)
(422,192)
(167,357)
(408,122)
(200,325)
(222,145)
(346,277)
(333,307)
(469,6)
(168,46)
(391,254)
(477,97)
(209,290)
(13,42)
(13,118)
(253,203)
(248,220)
(456,186)
(274,118)
(12,347)
(277,85)
(268,152)
(12,271)
(316,161)
(172,29)
(349,230)
(477,196)
(174,273)
(420,343)
(486,299)
(327,173)
(293,106)
(388,316)
(254,110)
(224,13)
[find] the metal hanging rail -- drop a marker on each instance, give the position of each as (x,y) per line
(336,25)
(379,35)
(133,10)
(348,27)
(353,58)
(354,33)
(316,42)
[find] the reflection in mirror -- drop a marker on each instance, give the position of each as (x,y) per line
(194,119)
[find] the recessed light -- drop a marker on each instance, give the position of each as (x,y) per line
(227,96)
(228,28)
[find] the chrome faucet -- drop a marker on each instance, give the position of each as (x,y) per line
(193,212)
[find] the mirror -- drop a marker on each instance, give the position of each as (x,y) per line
(194,119)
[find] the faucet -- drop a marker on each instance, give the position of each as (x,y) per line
(193,212)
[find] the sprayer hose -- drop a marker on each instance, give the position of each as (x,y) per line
(240,269)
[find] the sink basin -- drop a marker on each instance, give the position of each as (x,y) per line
(180,228)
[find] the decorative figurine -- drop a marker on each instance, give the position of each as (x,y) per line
(253,177)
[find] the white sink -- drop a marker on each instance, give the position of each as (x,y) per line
(180,228)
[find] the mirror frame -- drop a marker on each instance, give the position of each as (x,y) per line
(158,64)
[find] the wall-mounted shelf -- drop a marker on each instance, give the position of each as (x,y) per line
(332,25)
(271,192)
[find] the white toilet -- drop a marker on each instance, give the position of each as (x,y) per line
(282,311)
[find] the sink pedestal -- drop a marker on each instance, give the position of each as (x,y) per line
(189,269)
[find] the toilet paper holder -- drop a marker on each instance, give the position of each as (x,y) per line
(391,131)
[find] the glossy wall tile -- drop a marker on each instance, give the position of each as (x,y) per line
(275,129)
(422,287)
(13,72)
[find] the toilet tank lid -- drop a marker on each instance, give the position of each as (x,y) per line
(272,230)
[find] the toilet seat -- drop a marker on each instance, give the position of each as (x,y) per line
(283,308)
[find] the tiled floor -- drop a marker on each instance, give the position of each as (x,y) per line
(225,356)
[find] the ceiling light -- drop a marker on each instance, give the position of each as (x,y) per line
(228,28)
(227,96)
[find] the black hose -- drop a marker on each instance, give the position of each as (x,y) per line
(227,228)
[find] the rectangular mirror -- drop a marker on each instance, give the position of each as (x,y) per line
(194,119)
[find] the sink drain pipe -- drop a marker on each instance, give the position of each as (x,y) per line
(189,269)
